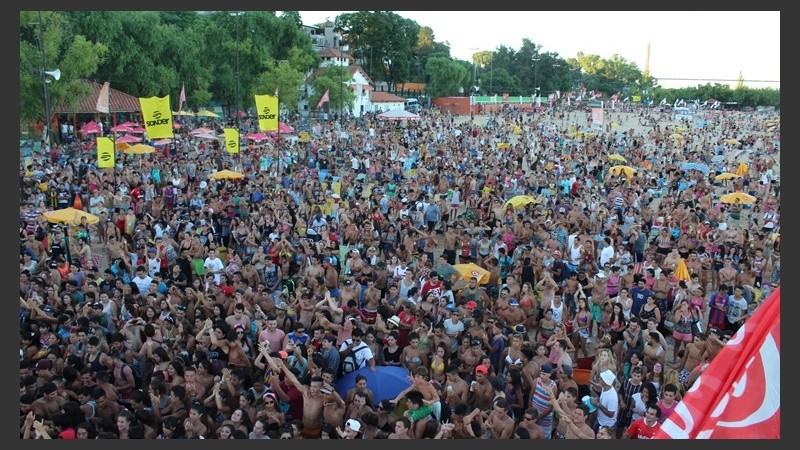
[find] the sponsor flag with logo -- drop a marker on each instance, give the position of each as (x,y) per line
(326,97)
(232,140)
(267,111)
(157,117)
(105,153)
(738,395)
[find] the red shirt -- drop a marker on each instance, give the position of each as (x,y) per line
(640,430)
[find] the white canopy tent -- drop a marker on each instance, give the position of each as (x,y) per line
(398,114)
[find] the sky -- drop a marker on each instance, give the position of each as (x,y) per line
(692,47)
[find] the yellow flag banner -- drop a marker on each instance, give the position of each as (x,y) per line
(105,153)
(267,109)
(232,140)
(157,117)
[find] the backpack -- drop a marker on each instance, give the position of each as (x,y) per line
(349,363)
(136,370)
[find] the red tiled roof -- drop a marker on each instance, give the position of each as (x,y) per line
(120,102)
(351,69)
(330,52)
(378,97)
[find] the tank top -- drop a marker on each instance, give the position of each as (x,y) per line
(558,312)
(575,255)
(684,324)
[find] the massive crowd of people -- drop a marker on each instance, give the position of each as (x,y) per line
(188,307)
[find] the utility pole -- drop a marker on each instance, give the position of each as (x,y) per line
(238,104)
(46,130)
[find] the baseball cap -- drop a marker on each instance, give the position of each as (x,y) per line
(354,425)
(472,304)
(608,377)
(482,369)
(547,368)
(283,354)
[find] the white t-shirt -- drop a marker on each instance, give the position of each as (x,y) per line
(143,283)
(610,401)
(362,352)
(213,265)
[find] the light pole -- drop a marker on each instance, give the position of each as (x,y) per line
(46,129)
(491,73)
(345,71)
(535,73)
(238,105)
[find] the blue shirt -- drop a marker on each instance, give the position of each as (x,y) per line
(639,297)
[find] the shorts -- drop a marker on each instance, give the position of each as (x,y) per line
(597,312)
(685,337)
(683,376)
(370,316)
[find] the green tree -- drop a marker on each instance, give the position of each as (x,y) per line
(389,38)
(75,56)
(335,80)
(446,77)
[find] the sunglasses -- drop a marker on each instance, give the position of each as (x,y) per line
(270,402)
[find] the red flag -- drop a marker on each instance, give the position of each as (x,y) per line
(738,396)
(182,98)
(326,97)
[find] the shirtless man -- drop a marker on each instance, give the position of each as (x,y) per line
(313,400)
(692,357)
(653,351)
(472,357)
(482,392)
(50,404)
(575,420)
(372,298)
(727,275)
(456,389)
(499,424)
(350,291)
(333,406)
(314,269)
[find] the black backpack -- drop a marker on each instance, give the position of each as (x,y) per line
(349,363)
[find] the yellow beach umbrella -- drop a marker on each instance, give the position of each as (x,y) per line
(140,149)
(617,158)
(470,270)
(519,201)
(628,170)
(726,176)
(503,145)
(70,216)
(731,141)
(206,113)
(742,169)
(744,199)
(226,175)
(517,130)
(122,146)
(682,272)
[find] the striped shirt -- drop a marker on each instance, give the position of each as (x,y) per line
(540,399)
